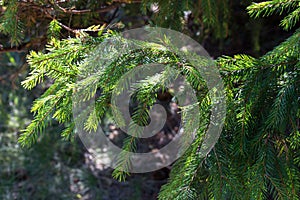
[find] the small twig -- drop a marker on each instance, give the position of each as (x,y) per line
(101,10)
(127,1)
(68,28)
(76,31)
(13,49)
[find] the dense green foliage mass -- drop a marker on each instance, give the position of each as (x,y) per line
(258,153)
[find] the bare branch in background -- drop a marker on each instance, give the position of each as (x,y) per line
(73,11)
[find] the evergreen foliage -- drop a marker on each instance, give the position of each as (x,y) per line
(11,24)
(212,14)
(257,156)
(280,7)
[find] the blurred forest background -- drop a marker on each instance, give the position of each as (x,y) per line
(59,169)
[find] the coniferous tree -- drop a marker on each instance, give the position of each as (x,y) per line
(257,155)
